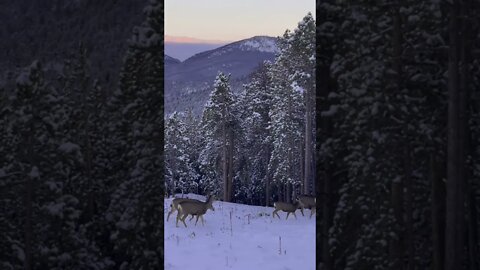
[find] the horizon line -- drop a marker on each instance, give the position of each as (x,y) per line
(193,40)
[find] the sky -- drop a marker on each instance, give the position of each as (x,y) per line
(232,20)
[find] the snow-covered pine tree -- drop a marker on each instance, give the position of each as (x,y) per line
(255,148)
(136,206)
(302,75)
(217,125)
(180,175)
(286,124)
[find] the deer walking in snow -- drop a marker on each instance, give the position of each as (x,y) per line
(309,202)
(286,207)
(176,202)
(194,208)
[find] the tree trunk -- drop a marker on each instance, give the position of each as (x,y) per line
(302,170)
(438,214)
(224,162)
(410,246)
(289,193)
(326,222)
(230,164)
(29,204)
(28,223)
(308,144)
(267,180)
(472,233)
(454,214)
(397,247)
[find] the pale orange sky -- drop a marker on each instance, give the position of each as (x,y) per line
(230,20)
(177,39)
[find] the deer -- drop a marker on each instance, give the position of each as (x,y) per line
(174,205)
(194,208)
(309,202)
(286,207)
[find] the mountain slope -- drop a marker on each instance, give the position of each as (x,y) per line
(188,84)
(168,60)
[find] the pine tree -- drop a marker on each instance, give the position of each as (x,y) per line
(180,174)
(255,148)
(217,125)
(285,126)
(136,204)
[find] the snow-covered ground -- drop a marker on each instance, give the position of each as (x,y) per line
(249,240)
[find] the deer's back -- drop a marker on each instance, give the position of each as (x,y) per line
(193,207)
(176,201)
(285,206)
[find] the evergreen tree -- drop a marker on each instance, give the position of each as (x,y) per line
(217,126)
(135,209)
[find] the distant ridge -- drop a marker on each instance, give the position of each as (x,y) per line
(188,83)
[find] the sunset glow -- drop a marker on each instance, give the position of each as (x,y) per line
(230,20)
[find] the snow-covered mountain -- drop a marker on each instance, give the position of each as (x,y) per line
(188,84)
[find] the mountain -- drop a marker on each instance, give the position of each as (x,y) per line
(183,51)
(188,84)
(170,60)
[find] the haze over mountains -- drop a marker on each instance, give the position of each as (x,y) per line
(184,47)
(188,83)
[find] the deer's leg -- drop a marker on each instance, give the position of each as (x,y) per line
(196,220)
(203,223)
(172,209)
(191,218)
(288,213)
(183,220)
(275,213)
(294,215)
(301,210)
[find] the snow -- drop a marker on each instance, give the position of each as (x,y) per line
(55,209)
(24,77)
(68,147)
(331,111)
(261,44)
(257,43)
(190,196)
(19,252)
(297,87)
(34,173)
(249,240)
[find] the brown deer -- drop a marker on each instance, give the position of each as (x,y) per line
(174,205)
(309,202)
(286,207)
(194,208)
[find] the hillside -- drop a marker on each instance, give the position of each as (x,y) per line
(188,84)
(249,240)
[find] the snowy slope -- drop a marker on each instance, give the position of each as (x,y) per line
(245,243)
